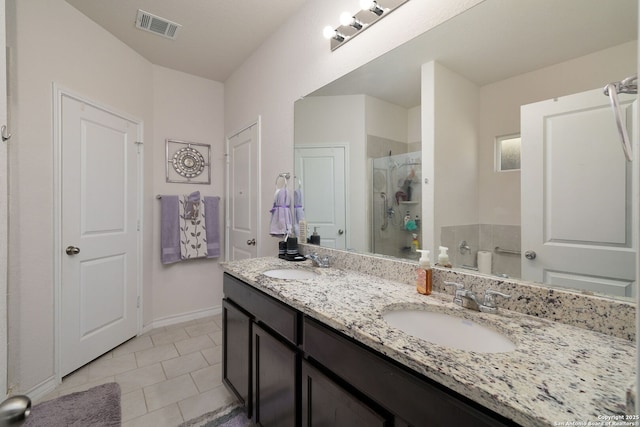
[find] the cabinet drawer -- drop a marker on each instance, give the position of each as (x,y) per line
(417,401)
(266,310)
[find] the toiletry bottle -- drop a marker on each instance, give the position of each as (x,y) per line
(415,244)
(424,275)
(302,226)
(315,237)
(443,258)
(407,218)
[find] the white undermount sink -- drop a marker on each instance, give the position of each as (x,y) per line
(449,331)
(290,274)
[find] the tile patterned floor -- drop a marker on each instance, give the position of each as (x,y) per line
(168,375)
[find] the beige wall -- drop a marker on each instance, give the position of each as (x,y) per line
(188,108)
(78,55)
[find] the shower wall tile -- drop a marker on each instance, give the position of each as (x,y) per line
(484,237)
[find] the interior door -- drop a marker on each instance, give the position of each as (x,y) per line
(577,202)
(99,254)
(321,170)
(3,208)
(242,194)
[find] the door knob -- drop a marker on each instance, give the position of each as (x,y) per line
(72,250)
(341,232)
(251,242)
(530,255)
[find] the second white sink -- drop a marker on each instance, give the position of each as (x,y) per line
(290,274)
(449,331)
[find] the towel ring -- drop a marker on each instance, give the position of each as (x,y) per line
(285,176)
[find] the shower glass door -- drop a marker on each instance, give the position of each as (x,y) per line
(396,205)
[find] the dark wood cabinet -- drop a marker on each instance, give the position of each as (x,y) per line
(236,352)
(290,370)
(274,381)
(416,400)
(325,403)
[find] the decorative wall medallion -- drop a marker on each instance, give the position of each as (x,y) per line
(188,162)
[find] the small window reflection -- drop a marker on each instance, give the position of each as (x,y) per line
(508,153)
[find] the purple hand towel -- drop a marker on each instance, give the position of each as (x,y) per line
(212,225)
(169,229)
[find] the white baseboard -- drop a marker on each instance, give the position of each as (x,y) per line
(180,318)
(41,390)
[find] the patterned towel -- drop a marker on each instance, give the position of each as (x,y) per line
(193,241)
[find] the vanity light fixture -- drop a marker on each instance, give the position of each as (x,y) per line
(371,6)
(332,34)
(347,20)
(353,24)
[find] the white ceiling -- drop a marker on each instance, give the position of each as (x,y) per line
(216,37)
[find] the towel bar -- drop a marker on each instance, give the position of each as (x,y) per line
(499,250)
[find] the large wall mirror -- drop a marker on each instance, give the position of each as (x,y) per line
(491,135)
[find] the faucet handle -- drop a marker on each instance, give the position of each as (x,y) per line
(489,303)
(458,291)
(455,284)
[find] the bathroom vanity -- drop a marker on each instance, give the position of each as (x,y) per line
(317,351)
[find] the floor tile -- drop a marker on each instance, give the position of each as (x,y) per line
(216,337)
(141,377)
(168,337)
(112,366)
(156,354)
(202,329)
(184,364)
(133,345)
(194,344)
(213,355)
(169,391)
(165,417)
(205,402)
(133,405)
(207,378)
(167,375)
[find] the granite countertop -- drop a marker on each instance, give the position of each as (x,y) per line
(557,375)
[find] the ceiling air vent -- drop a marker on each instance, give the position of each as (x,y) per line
(154,24)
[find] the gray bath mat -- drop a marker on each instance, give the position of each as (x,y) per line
(96,407)
(229,416)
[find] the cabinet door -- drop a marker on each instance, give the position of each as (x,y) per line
(236,352)
(274,383)
(326,404)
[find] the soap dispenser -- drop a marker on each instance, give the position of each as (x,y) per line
(443,258)
(315,237)
(424,275)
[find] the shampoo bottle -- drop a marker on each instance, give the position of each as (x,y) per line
(443,258)
(424,274)
(415,244)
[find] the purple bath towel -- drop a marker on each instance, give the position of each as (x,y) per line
(212,225)
(281,217)
(169,229)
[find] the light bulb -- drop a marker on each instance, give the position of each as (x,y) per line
(328,32)
(371,6)
(366,4)
(346,18)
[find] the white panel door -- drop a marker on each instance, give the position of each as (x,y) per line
(576,196)
(99,239)
(3,209)
(242,197)
(321,171)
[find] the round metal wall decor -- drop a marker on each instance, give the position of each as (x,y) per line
(188,162)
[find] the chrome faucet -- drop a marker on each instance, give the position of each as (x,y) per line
(468,299)
(322,262)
